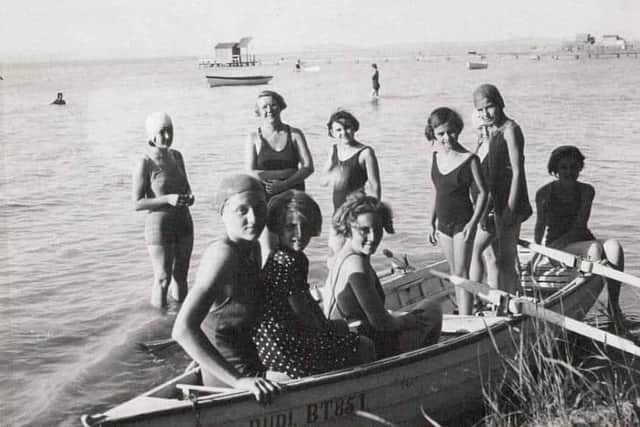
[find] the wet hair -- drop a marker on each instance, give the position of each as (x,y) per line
(490,93)
(563,152)
(440,116)
(356,204)
(345,118)
(273,94)
(298,203)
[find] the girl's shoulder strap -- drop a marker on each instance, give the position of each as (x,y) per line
(333,280)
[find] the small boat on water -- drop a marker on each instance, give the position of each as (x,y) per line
(477,65)
(219,80)
(443,380)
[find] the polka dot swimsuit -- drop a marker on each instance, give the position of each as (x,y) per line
(285,344)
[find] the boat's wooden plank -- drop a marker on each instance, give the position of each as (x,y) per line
(454,324)
(204,389)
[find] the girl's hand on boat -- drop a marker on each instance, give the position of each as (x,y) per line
(262,388)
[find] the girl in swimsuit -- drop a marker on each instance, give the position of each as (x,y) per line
(563,207)
(349,167)
(293,335)
(506,182)
(483,255)
(454,219)
(277,154)
(350,164)
(215,323)
(354,292)
(160,186)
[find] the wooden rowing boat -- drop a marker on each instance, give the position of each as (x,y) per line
(444,380)
(219,80)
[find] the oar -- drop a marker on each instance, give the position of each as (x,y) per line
(518,305)
(582,264)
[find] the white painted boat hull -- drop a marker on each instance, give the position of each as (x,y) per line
(237,80)
(444,379)
(477,65)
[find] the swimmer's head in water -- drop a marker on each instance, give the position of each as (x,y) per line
(159,125)
(236,184)
(486,94)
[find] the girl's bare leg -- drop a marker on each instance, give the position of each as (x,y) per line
(162,261)
(180,284)
(508,277)
(461,254)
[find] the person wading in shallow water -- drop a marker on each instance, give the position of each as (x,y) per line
(59,100)
(160,186)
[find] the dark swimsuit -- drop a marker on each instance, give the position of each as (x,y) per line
(351,176)
(270,159)
(500,174)
(375,80)
(561,216)
(167,224)
(229,324)
(453,204)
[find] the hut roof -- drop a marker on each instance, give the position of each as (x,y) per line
(226,45)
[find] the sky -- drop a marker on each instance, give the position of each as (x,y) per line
(89,29)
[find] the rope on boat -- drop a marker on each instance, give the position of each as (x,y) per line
(373,417)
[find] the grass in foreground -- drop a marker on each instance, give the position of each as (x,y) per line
(556,381)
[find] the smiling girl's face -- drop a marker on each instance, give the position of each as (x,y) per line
(568,169)
(446,134)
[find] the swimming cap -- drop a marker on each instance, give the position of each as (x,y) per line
(155,122)
(235,184)
(487,92)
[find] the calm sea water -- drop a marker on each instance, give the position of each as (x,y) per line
(75,272)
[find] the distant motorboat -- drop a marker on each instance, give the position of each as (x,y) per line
(312,69)
(237,80)
(476,65)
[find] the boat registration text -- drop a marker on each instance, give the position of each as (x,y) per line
(315,412)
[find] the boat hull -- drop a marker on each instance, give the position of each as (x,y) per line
(445,379)
(477,65)
(237,80)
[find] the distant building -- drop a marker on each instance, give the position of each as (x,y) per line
(613,41)
(234,53)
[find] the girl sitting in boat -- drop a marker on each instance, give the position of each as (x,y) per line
(454,219)
(349,167)
(506,182)
(161,187)
(276,153)
(293,336)
(563,207)
(354,293)
(215,322)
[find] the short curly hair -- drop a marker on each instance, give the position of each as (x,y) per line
(297,203)
(562,152)
(440,116)
(345,118)
(356,204)
(273,94)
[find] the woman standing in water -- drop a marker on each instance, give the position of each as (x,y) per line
(375,82)
(160,186)
(277,154)
(506,181)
